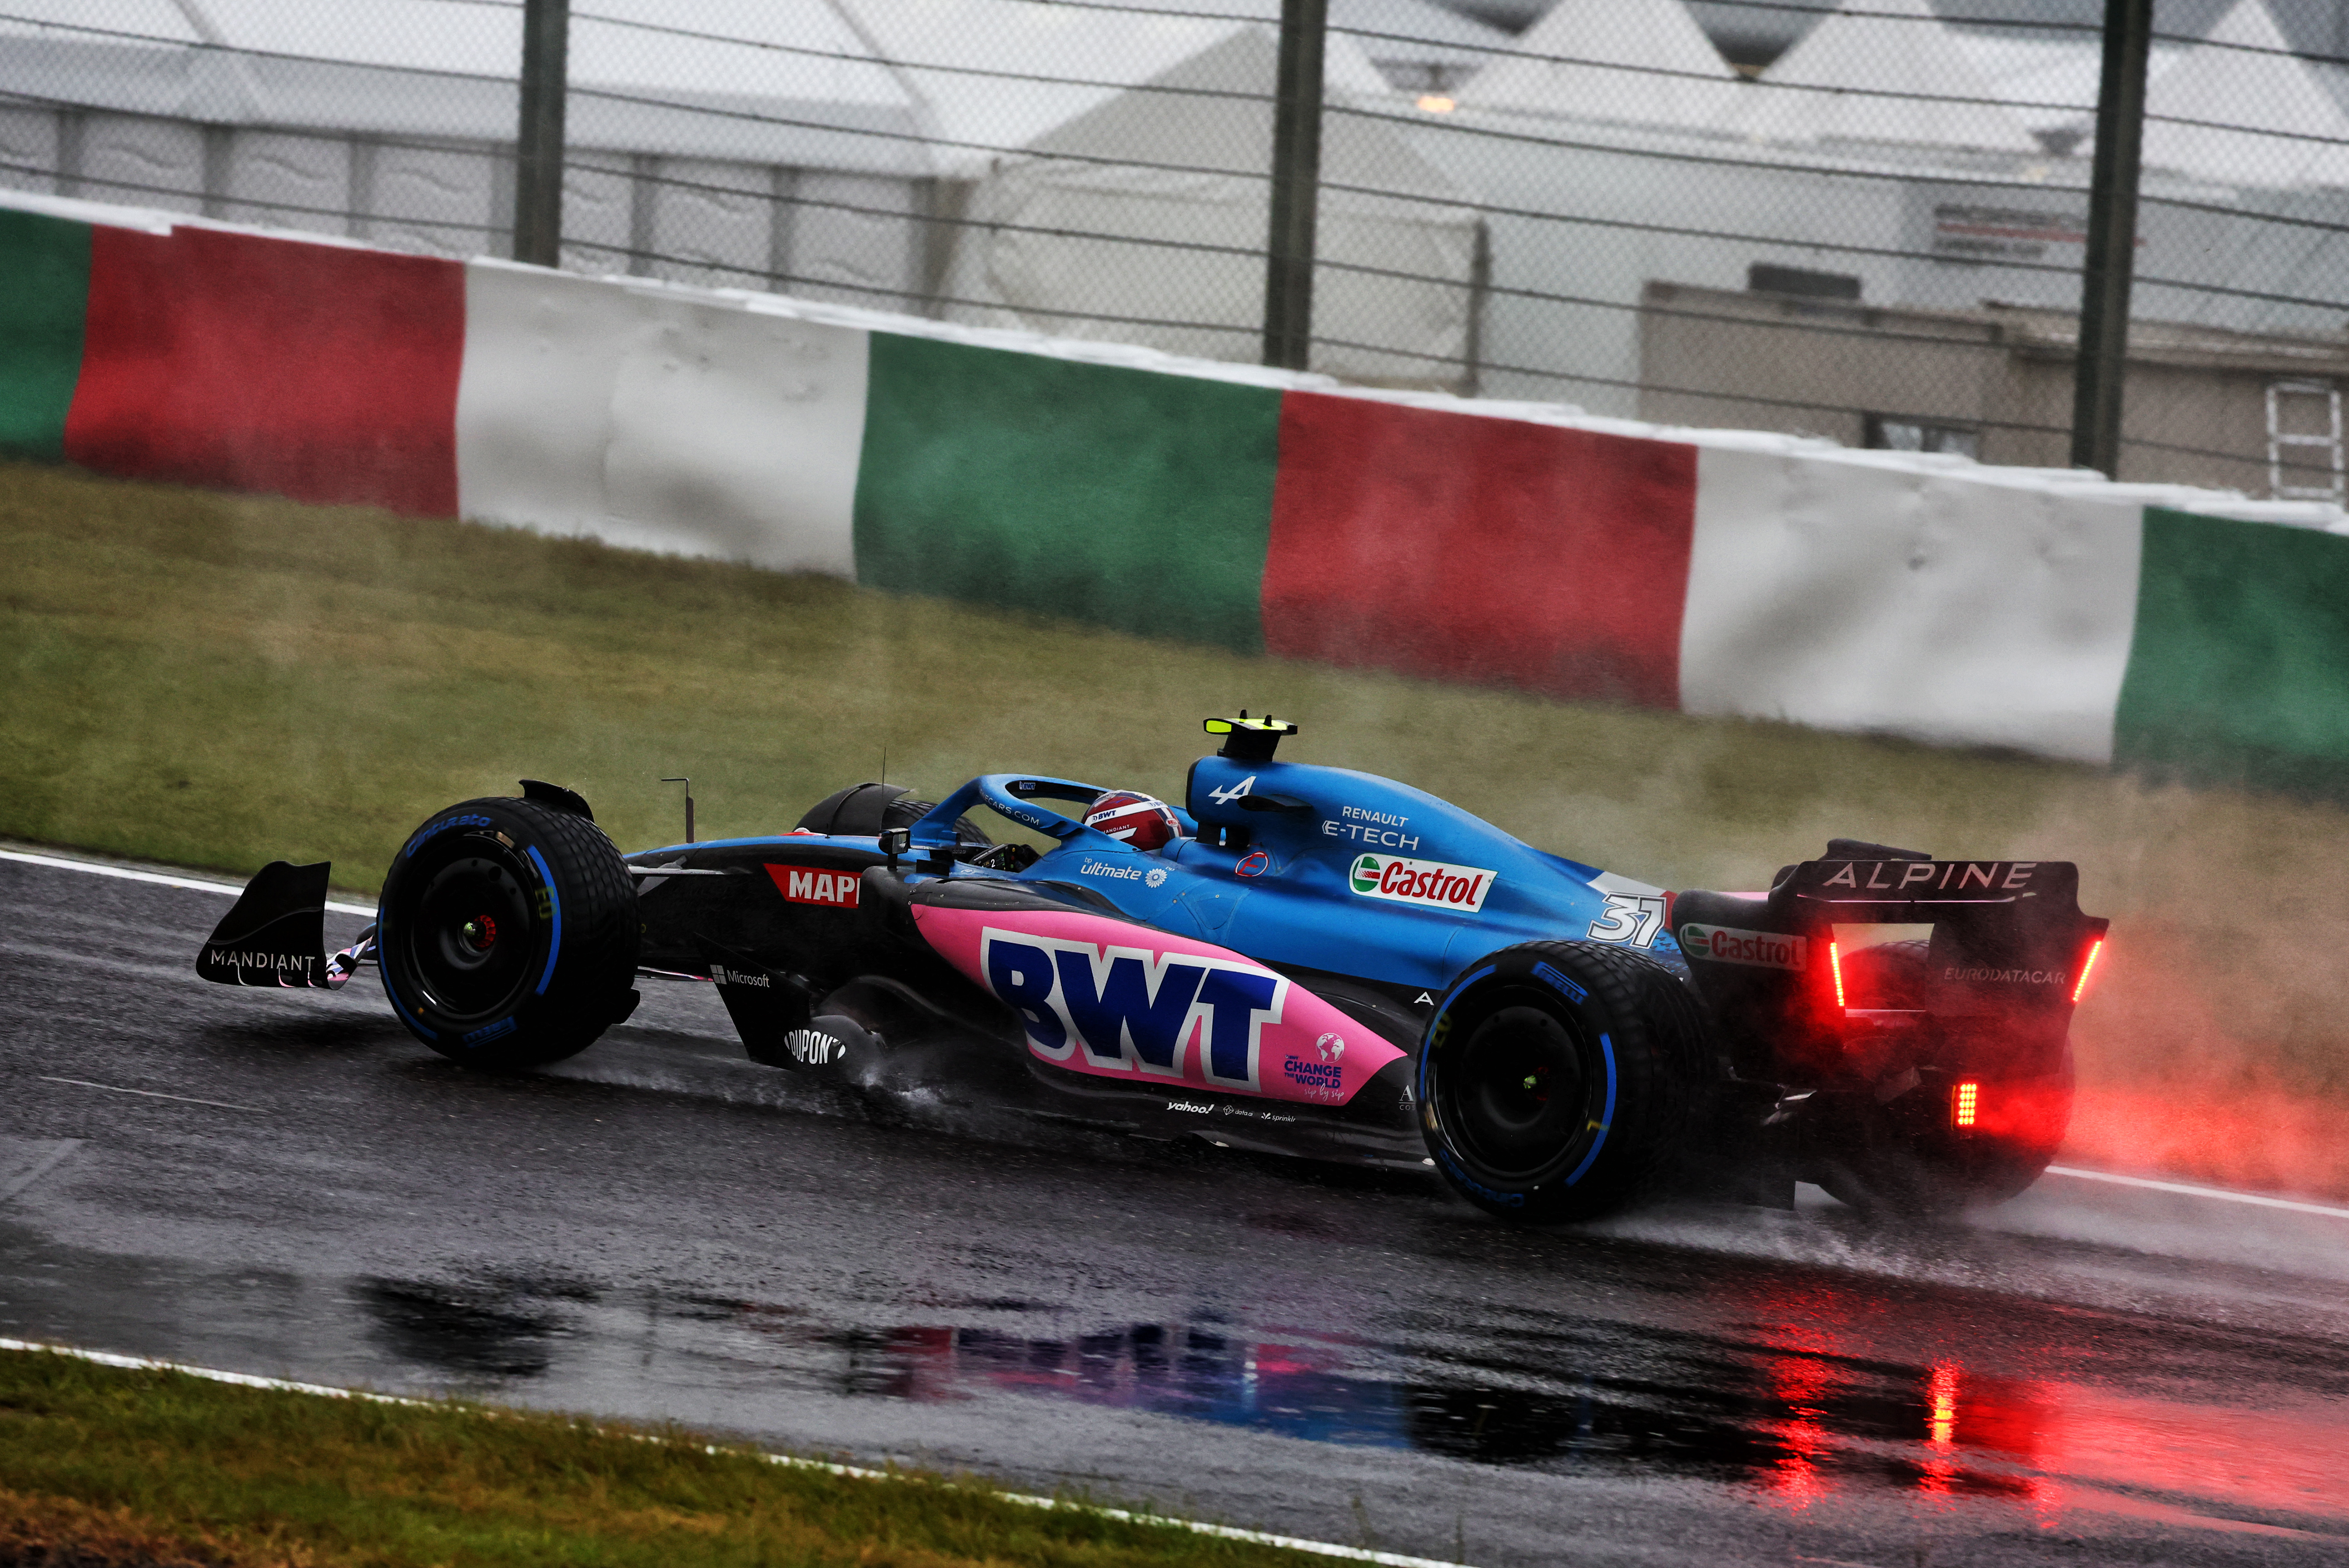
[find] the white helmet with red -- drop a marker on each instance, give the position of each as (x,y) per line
(1139,820)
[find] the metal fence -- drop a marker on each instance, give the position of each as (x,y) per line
(1871,225)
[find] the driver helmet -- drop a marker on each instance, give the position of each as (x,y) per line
(1141,821)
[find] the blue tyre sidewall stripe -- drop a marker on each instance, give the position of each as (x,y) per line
(1606,1118)
(1442,1008)
(554,902)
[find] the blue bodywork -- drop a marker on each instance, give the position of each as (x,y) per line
(1295,895)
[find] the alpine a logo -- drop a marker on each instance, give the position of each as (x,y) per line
(1225,797)
(1757,949)
(808,885)
(1430,884)
(1136,1008)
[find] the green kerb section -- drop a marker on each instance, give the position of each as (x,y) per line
(1133,499)
(2240,666)
(45,262)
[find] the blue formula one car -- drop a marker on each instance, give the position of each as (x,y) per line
(1301,960)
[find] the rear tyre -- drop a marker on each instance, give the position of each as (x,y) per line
(1905,1159)
(1560,1080)
(508,933)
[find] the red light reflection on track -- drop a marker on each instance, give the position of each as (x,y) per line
(2059,1449)
(2267,1459)
(1801,1386)
(2055,1448)
(1941,1406)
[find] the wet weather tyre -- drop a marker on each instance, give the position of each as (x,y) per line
(508,933)
(1561,1081)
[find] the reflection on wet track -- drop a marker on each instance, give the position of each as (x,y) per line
(1795,1422)
(661,1231)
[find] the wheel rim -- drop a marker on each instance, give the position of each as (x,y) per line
(1520,1093)
(471,942)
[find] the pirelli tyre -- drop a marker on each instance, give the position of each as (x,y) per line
(1909,1155)
(1560,1080)
(508,933)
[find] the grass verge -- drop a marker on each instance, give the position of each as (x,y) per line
(217,681)
(102,1468)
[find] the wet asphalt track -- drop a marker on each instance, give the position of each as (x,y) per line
(661,1229)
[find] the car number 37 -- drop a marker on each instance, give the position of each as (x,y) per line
(1632,918)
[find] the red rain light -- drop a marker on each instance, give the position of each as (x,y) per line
(1965,1103)
(1835,966)
(2086,965)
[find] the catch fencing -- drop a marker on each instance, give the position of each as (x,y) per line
(1865,220)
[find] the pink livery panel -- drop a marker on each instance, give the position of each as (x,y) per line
(1120,1000)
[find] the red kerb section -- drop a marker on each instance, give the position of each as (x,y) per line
(312,371)
(1474,549)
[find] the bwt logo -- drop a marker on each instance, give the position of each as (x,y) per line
(1130,1008)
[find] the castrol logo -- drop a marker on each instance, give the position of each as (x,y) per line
(1430,884)
(1760,949)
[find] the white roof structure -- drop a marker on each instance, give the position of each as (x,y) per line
(906,87)
(1881,71)
(1645,62)
(1417,44)
(803,87)
(2293,132)
(1194,107)
(963,59)
(1093,223)
(2051,83)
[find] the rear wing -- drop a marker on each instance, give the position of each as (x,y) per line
(2007,935)
(2009,952)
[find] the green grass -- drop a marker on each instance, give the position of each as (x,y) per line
(143,1466)
(219,680)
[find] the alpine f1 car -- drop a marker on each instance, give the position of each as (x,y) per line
(1302,960)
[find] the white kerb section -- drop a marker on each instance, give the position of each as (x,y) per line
(1851,594)
(658,418)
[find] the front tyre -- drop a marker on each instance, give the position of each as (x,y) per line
(508,933)
(1560,1080)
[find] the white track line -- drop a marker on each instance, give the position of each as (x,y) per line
(2261,1200)
(1025,1499)
(2258,1199)
(57,863)
(151,1094)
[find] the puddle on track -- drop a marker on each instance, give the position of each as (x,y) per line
(1780,1411)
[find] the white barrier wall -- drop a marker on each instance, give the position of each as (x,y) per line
(656,422)
(1852,594)
(1743,574)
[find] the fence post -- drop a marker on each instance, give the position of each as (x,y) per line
(1296,184)
(538,142)
(2102,369)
